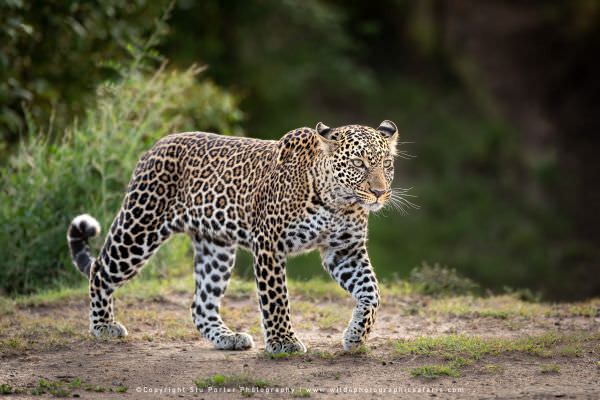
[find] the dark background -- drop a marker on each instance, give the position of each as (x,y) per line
(499,101)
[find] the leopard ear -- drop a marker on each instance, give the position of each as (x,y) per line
(387,128)
(325,142)
(323,130)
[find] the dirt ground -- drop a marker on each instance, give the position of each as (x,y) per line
(163,356)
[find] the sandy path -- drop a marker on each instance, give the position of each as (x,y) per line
(153,363)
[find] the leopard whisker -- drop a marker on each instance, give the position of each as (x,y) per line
(404,195)
(396,205)
(403,198)
(398,198)
(409,204)
(405,155)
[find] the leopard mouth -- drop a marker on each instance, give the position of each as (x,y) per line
(350,197)
(369,205)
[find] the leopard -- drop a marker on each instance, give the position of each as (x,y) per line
(313,189)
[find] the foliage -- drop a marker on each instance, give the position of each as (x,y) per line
(47,183)
(475,213)
(289,57)
(51,51)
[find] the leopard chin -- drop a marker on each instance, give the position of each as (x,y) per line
(372,207)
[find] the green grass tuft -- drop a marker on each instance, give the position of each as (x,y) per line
(434,371)
(462,350)
(492,369)
(474,348)
(5,388)
(549,369)
(62,389)
(301,393)
(56,389)
(323,354)
(219,380)
(280,356)
(75,383)
(360,350)
(501,307)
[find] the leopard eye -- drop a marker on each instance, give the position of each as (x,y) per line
(357,162)
(387,163)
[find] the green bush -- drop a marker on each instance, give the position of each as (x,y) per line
(46,184)
(437,280)
(51,54)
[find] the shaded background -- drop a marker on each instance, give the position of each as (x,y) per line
(497,99)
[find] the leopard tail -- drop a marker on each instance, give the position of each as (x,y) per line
(82,228)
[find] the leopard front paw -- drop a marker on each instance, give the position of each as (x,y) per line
(352,339)
(289,344)
(113,329)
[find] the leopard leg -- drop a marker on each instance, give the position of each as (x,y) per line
(213,263)
(273,300)
(351,268)
(128,246)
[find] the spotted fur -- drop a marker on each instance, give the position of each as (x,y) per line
(313,188)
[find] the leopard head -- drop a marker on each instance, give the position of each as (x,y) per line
(361,161)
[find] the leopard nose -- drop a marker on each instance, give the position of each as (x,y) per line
(378,193)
